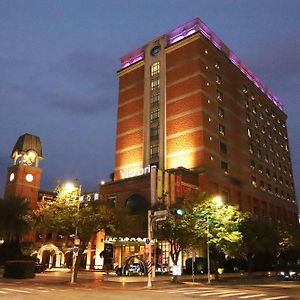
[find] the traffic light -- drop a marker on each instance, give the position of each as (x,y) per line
(178,212)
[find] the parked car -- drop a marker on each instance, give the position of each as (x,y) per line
(39,268)
(289,273)
(134,268)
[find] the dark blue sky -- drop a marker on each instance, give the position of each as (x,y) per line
(58,63)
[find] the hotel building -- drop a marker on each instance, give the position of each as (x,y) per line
(188,105)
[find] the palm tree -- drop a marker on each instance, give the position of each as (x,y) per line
(15,223)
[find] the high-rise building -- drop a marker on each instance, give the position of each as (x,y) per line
(186,100)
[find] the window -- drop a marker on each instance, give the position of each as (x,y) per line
(260,169)
(224,166)
(262,184)
(269,188)
(223,148)
(245,89)
(252,163)
(221,112)
(219,95)
(217,65)
(154,115)
(248,118)
(268,172)
(218,79)
(155,68)
(251,149)
(154,83)
(154,150)
(155,98)
(249,132)
(222,129)
(253,181)
(154,133)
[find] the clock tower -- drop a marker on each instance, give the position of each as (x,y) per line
(23,177)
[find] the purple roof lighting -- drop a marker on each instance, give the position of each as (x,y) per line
(132,58)
(191,27)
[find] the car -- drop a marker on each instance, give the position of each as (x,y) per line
(289,273)
(39,268)
(134,268)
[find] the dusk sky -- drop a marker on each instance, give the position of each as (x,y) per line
(59,58)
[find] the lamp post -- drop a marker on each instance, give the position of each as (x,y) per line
(70,188)
(218,201)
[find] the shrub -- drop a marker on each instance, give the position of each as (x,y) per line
(19,269)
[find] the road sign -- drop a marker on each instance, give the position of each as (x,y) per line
(160,213)
(75,251)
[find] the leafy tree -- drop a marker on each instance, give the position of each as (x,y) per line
(15,224)
(260,236)
(220,225)
(67,216)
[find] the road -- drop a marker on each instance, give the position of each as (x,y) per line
(55,285)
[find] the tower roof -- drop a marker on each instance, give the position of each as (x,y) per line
(27,142)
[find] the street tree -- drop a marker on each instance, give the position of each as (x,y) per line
(220,225)
(15,224)
(67,216)
(260,236)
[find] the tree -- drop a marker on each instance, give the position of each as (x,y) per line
(260,236)
(219,224)
(15,224)
(67,216)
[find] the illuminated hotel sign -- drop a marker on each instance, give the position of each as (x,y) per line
(135,172)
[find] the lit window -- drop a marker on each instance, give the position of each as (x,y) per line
(224,166)
(206,51)
(155,68)
(252,164)
(245,89)
(219,95)
(249,132)
(217,65)
(260,169)
(218,79)
(222,129)
(221,112)
(154,83)
(211,158)
(208,100)
(254,110)
(155,98)
(154,115)
(253,180)
(154,151)
(209,119)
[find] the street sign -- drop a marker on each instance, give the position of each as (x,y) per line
(75,251)
(161,213)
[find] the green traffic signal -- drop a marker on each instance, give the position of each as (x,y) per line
(180,212)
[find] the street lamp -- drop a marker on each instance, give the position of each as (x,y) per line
(218,201)
(70,187)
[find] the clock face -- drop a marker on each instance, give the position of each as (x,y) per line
(29,177)
(12,177)
(155,50)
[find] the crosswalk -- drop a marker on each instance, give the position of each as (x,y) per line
(16,289)
(221,293)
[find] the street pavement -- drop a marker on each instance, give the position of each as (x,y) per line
(91,285)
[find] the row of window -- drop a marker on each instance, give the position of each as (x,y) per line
(154,110)
(272,190)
